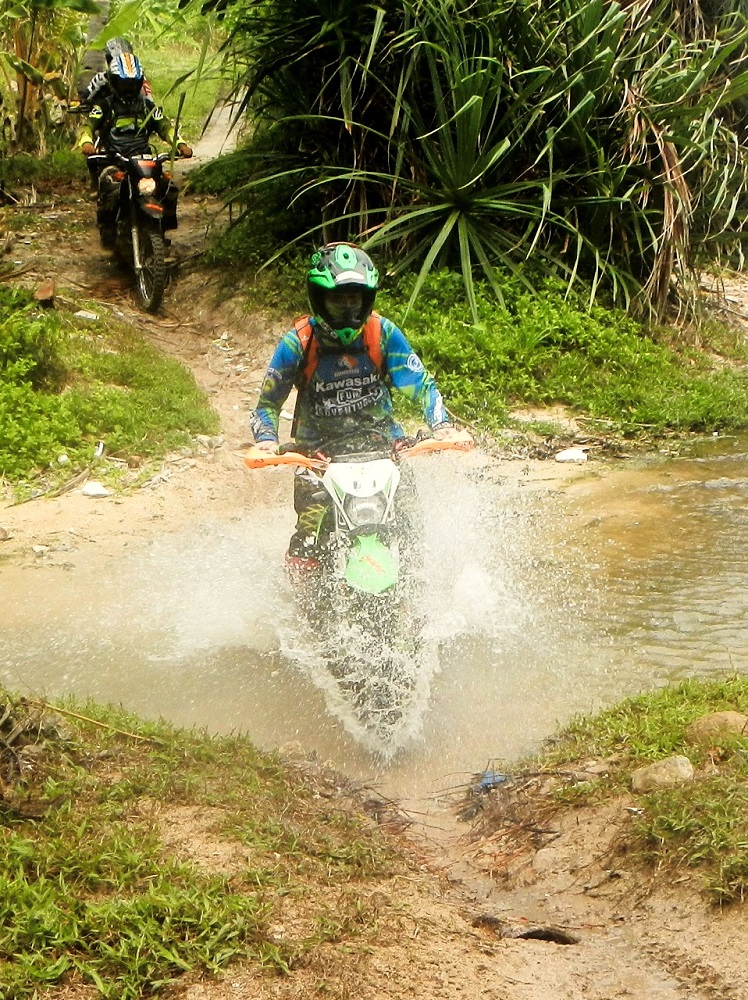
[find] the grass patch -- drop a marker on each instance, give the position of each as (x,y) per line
(91,892)
(164,65)
(544,348)
(702,826)
(64,386)
(59,166)
(650,726)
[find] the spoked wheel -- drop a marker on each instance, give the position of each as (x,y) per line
(151,279)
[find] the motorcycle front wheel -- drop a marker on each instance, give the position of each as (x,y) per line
(151,279)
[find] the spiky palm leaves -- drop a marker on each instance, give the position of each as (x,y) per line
(589,136)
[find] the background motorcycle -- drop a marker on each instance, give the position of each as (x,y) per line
(137,206)
(363,602)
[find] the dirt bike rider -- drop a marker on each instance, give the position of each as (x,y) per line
(122,118)
(342,360)
(98,88)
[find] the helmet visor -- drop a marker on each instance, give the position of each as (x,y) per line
(127,89)
(345,308)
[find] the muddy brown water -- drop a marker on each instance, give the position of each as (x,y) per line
(538,605)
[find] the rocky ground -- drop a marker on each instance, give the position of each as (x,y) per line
(548,911)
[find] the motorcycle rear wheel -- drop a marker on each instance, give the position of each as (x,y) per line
(151,279)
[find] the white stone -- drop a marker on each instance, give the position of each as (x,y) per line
(571,455)
(95,489)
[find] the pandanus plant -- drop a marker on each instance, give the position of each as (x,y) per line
(596,139)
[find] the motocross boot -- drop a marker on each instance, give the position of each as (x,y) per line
(301,558)
(108,236)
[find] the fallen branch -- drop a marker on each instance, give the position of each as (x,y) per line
(8,275)
(94,722)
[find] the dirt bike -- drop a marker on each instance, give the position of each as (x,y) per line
(137,204)
(363,601)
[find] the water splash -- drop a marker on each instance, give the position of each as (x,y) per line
(467,588)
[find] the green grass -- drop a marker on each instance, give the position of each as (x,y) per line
(546,348)
(66,384)
(88,888)
(59,166)
(164,64)
(700,827)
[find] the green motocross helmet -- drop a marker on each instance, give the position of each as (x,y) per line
(342,284)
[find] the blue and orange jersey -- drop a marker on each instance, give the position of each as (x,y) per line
(348,392)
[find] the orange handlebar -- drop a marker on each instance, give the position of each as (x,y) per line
(257,458)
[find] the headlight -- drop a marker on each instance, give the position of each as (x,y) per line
(146,185)
(365,510)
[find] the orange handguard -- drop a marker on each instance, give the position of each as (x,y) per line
(462,442)
(257,458)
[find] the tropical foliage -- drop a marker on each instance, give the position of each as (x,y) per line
(599,138)
(63,388)
(40,42)
(546,348)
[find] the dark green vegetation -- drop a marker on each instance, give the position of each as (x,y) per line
(700,827)
(40,45)
(92,894)
(603,141)
(66,384)
(62,165)
(545,347)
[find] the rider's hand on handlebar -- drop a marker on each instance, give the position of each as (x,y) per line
(88,149)
(184,150)
(269,446)
(447,432)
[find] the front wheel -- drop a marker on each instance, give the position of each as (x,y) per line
(151,278)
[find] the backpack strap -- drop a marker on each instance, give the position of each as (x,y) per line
(373,340)
(310,354)
(309,351)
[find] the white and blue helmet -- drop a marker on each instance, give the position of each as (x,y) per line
(125,76)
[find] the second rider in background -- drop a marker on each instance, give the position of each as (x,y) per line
(122,118)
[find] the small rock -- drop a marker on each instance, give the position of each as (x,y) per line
(4,534)
(668,773)
(40,550)
(85,314)
(95,489)
(45,293)
(62,459)
(709,727)
(571,455)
